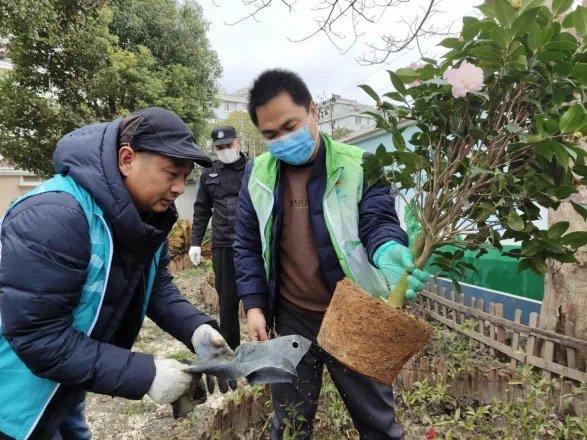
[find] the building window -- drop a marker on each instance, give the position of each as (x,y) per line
(30,181)
(227,106)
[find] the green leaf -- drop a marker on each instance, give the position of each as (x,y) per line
(558,229)
(470,27)
(564,258)
(530,248)
(544,150)
(486,52)
(561,154)
(551,55)
(580,209)
(407,75)
(572,119)
(539,265)
(563,192)
(515,222)
(579,72)
(397,83)
(560,6)
(534,37)
(396,96)
(487,8)
(501,37)
(554,247)
(575,239)
(505,13)
(398,141)
(525,264)
(369,91)
(522,24)
(451,43)
(568,20)
(477,133)
(532,4)
(580,20)
(566,46)
(380,151)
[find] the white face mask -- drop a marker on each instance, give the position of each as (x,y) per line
(228,155)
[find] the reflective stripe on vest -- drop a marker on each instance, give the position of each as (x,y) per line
(23,395)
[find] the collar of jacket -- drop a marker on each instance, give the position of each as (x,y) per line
(317,165)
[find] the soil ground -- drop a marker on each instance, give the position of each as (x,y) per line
(120,419)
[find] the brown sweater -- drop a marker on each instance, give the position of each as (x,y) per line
(301,283)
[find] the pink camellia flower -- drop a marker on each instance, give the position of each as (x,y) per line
(466,78)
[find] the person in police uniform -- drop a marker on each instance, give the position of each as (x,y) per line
(217,198)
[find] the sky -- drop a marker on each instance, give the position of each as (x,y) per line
(247,48)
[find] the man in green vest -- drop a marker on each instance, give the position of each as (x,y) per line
(306,219)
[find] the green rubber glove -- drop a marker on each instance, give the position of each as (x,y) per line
(394,260)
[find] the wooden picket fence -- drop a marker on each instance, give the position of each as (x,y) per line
(513,339)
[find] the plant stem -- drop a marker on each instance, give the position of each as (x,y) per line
(422,250)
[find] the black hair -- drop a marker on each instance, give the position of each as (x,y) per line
(274,82)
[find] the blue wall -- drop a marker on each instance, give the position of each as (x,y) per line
(371,144)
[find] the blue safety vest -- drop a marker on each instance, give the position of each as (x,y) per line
(24,396)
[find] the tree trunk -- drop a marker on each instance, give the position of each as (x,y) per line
(565,294)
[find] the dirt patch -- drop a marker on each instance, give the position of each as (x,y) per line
(119,419)
(243,414)
(370,336)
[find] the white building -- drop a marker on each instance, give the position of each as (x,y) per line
(341,113)
(335,113)
(231,102)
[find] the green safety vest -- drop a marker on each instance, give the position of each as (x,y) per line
(344,190)
(23,395)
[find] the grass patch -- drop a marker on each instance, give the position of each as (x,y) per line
(182,355)
(138,407)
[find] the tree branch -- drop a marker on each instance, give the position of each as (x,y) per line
(351,14)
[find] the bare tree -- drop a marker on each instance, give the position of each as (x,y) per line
(341,22)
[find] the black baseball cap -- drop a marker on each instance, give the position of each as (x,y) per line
(223,135)
(161,131)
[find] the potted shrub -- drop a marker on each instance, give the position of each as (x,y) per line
(498,119)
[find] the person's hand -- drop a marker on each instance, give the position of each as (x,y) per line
(394,260)
(257,325)
(195,254)
(170,382)
(209,344)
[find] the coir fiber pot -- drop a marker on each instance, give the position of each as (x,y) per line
(368,335)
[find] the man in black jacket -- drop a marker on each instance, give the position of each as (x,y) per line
(84,259)
(217,198)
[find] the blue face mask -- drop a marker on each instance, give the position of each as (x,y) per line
(295,148)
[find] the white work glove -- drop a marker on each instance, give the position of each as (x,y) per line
(209,344)
(195,254)
(170,382)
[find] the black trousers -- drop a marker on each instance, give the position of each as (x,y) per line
(223,265)
(370,403)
